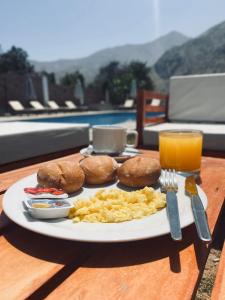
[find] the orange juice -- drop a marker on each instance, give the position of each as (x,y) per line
(181,150)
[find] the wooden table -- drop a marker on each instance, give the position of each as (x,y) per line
(36,267)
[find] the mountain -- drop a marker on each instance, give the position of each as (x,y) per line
(89,66)
(204,54)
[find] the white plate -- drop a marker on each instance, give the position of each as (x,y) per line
(148,227)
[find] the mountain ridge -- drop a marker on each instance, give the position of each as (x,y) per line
(200,55)
(146,52)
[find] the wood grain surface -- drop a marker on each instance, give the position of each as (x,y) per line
(218,292)
(38,267)
(153,269)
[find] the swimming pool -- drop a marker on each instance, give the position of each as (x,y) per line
(93,119)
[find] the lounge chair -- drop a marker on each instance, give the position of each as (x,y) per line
(37,105)
(16,106)
(53,105)
(128,104)
(195,102)
(73,107)
(70,104)
(34,139)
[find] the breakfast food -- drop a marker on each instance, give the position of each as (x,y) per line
(139,171)
(65,175)
(43,193)
(99,169)
(114,205)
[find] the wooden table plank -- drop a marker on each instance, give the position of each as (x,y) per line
(218,292)
(29,260)
(131,271)
(152,269)
(127,270)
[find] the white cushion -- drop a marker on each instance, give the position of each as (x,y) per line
(22,140)
(213,138)
(197,98)
(129,103)
(70,104)
(53,104)
(36,105)
(16,105)
(155,102)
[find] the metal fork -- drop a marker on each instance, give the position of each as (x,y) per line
(169,185)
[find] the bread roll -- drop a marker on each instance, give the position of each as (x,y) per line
(139,171)
(99,169)
(65,175)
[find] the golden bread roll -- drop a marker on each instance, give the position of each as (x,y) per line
(99,169)
(139,171)
(65,175)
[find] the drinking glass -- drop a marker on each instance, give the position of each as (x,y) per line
(181,150)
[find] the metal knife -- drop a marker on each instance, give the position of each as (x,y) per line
(173,215)
(198,210)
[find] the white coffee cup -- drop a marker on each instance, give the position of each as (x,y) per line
(112,138)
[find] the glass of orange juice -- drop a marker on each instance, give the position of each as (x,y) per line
(181,150)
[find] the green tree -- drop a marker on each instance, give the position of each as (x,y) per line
(72,78)
(117,79)
(140,72)
(16,60)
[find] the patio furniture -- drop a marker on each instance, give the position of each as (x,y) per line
(55,108)
(52,104)
(24,140)
(70,104)
(128,104)
(37,267)
(73,107)
(195,102)
(16,105)
(37,105)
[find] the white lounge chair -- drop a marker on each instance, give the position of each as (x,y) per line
(16,105)
(70,104)
(195,102)
(39,138)
(129,103)
(53,105)
(37,105)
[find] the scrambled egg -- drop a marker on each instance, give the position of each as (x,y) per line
(112,206)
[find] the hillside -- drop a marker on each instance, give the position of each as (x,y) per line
(204,54)
(89,66)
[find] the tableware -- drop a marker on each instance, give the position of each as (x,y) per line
(169,185)
(48,208)
(126,154)
(198,210)
(152,226)
(181,150)
(112,139)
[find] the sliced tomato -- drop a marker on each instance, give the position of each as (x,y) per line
(40,190)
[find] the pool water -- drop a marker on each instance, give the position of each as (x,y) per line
(93,119)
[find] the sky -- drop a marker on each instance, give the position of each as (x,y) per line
(54,29)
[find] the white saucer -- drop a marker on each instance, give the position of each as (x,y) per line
(128,153)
